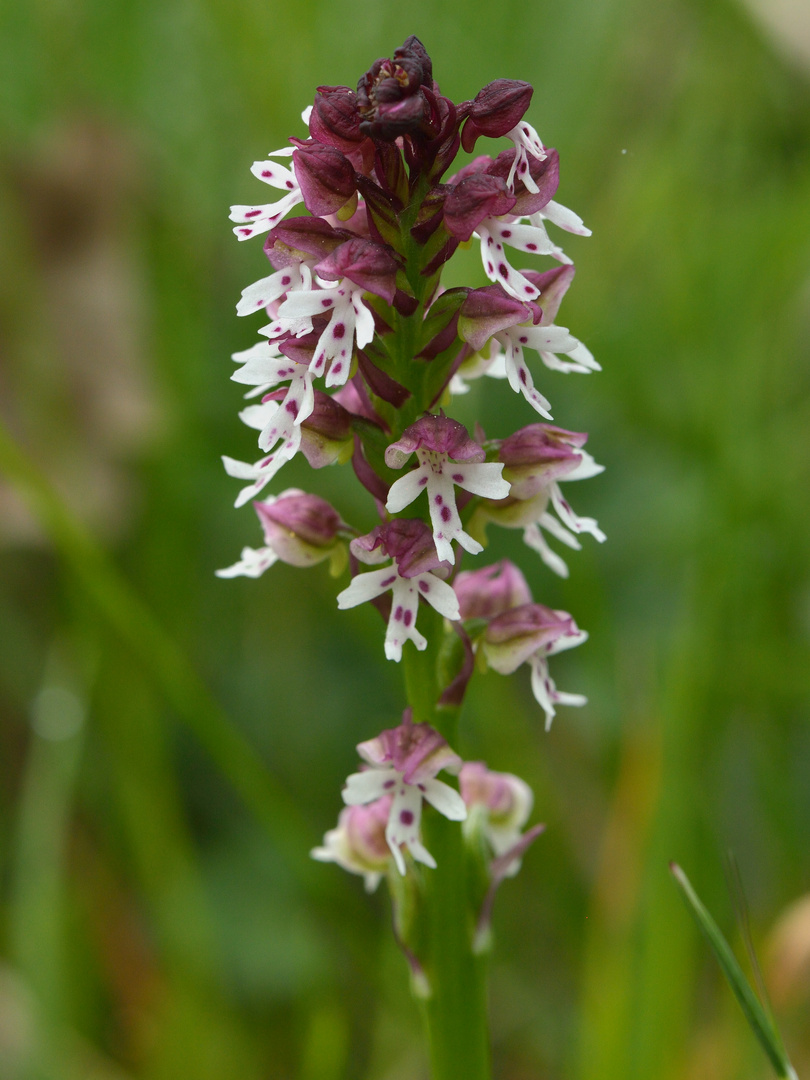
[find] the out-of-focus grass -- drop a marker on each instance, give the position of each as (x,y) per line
(150,926)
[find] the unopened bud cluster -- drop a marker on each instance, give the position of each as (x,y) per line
(361,358)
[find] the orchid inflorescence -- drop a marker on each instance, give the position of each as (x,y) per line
(363,353)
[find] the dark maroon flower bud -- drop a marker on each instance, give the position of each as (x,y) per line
(334,119)
(545,173)
(408,541)
(488,310)
(496,110)
(367,264)
(440,434)
(390,98)
(299,237)
(325,176)
(474,198)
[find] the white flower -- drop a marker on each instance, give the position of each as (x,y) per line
(261,219)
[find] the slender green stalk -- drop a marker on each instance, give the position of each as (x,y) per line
(456,1011)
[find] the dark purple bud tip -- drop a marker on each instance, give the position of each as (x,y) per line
(390,98)
(487,311)
(496,110)
(408,541)
(334,120)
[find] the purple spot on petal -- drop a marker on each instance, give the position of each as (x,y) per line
(523,375)
(447,513)
(388,581)
(246,232)
(503,271)
(336,369)
(458,477)
(506,233)
(406,817)
(408,618)
(291,406)
(524,340)
(421,787)
(422,481)
(528,289)
(290,184)
(424,586)
(490,268)
(267,172)
(326,303)
(389,784)
(253,213)
(286,279)
(398,613)
(339,330)
(523,166)
(531,247)
(438,500)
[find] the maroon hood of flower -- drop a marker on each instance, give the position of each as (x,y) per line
(540,444)
(488,310)
(440,434)
(299,237)
(545,173)
(335,120)
(485,593)
(390,96)
(408,541)
(497,108)
(536,622)
(369,265)
(553,285)
(326,177)
(475,197)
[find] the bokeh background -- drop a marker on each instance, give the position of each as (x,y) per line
(173,744)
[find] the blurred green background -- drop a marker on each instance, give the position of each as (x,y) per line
(160,917)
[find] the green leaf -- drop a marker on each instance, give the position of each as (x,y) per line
(755,1014)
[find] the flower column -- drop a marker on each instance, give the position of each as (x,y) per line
(360,360)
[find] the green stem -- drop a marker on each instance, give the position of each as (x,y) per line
(456,1011)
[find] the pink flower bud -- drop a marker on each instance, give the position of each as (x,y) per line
(301,529)
(417,751)
(537,455)
(512,637)
(358,844)
(485,593)
(507,799)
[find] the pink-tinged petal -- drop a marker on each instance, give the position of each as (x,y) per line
(534,539)
(404,490)
(253,563)
(513,637)
(487,592)
(364,587)
(445,799)
(364,787)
